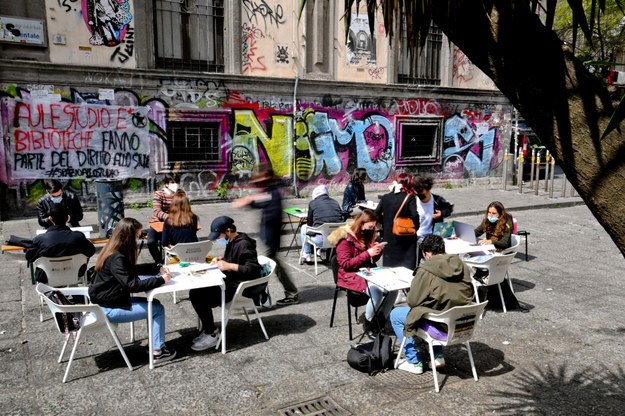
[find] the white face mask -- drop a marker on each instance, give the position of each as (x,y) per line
(222,242)
(173,187)
(57,199)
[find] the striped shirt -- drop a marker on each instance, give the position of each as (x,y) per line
(160,205)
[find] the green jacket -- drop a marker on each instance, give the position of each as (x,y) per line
(439,284)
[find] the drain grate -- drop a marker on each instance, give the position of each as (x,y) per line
(324,406)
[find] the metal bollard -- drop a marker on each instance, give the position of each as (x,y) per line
(563,186)
(553,169)
(537,172)
(547,163)
(505,171)
(532,161)
(520,172)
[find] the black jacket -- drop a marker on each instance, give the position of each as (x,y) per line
(323,209)
(242,251)
(71,204)
(113,285)
(58,241)
(442,205)
(271,218)
(400,251)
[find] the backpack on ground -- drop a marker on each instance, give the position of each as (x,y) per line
(66,322)
(371,357)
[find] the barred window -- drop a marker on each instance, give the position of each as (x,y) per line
(419,140)
(194,142)
(189,34)
(424,66)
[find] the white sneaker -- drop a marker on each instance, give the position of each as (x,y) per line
(199,337)
(205,342)
(412,368)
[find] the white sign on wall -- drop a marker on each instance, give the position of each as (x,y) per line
(23,31)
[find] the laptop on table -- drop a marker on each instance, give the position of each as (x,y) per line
(465,232)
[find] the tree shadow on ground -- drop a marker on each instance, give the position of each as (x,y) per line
(559,390)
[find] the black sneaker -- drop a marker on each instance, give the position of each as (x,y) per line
(166,354)
(292,300)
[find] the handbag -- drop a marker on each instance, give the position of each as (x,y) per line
(403,226)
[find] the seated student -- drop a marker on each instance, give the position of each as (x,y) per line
(356,247)
(321,209)
(239,263)
(116,282)
(58,241)
(161,201)
(181,223)
(441,282)
(57,195)
(497,225)
(355,190)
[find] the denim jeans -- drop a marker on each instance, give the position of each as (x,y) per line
(317,238)
(398,320)
(377,293)
(138,311)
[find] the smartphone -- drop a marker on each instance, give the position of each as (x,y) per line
(383,243)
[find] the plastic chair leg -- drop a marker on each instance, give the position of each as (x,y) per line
(503,302)
(471,360)
(434,372)
(71,356)
(401,350)
(336,295)
(63,349)
(349,320)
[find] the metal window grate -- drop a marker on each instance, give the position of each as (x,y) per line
(189,34)
(419,140)
(324,406)
(193,142)
(424,66)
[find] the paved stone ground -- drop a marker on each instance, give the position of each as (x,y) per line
(564,357)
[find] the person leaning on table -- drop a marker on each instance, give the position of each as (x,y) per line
(116,280)
(441,282)
(497,225)
(239,263)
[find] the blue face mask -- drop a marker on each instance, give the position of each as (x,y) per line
(493,219)
(57,199)
(222,242)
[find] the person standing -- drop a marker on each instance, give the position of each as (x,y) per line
(161,201)
(431,208)
(355,190)
(55,194)
(116,281)
(181,223)
(269,200)
(401,250)
(239,263)
(58,241)
(441,282)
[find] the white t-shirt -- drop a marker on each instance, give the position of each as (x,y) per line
(425,210)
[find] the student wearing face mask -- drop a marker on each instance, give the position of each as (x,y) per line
(239,263)
(161,202)
(56,195)
(497,226)
(356,247)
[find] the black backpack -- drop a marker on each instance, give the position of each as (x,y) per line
(371,357)
(66,322)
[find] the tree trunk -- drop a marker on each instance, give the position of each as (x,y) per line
(566,106)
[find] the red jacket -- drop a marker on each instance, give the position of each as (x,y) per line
(351,256)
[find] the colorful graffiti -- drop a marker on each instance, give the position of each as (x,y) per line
(107,20)
(322,141)
(250,61)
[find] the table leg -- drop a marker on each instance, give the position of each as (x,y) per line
(296,232)
(150,348)
(223,320)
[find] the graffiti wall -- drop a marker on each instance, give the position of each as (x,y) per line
(91,32)
(81,137)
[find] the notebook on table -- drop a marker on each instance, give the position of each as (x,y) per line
(444,229)
(465,232)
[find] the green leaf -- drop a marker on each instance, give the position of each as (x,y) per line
(615,120)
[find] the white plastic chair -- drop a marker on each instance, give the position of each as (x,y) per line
(325,230)
(240,301)
(461,322)
(61,272)
(515,242)
(497,267)
(189,252)
(92,319)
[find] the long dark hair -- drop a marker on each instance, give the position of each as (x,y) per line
(497,230)
(124,240)
(366,215)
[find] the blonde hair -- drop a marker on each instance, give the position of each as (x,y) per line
(180,214)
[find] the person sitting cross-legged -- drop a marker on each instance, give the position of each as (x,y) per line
(441,282)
